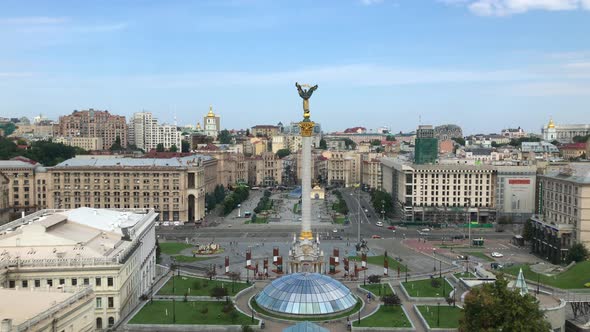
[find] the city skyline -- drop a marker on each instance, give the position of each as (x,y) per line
(379,62)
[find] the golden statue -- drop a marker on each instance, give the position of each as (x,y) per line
(305,94)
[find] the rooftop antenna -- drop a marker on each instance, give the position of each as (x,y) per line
(419,118)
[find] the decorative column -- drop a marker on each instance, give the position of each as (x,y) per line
(306,131)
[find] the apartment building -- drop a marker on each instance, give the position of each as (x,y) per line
(147,134)
(564,211)
(371,171)
(86,143)
(95,123)
(344,168)
(112,252)
(265,170)
(232,168)
(46,309)
(265,130)
(27,187)
(573,151)
(175,187)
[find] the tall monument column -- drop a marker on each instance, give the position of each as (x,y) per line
(306,127)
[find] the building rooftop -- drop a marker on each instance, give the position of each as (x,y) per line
(96,161)
(574,172)
(84,234)
(15,164)
(23,305)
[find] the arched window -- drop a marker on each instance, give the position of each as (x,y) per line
(99,323)
(111,321)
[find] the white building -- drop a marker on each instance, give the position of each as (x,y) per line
(146,133)
(211,124)
(86,143)
(113,252)
(564,133)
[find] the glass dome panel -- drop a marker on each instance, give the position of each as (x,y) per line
(306,294)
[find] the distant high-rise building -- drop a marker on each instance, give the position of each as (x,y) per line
(426,149)
(95,123)
(146,133)
(211,123)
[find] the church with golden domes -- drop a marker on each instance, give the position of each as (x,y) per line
(564,133)
(211,123)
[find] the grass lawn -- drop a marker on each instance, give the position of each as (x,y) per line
(478,254)
(378,260)
(339,220)
(350,312)
(198,286)
(573,278)
(378,289)
(423,288)
(173,248)
(259,220)
(188,313)
(386,316)
(449,316)
(464,275)
(191,259)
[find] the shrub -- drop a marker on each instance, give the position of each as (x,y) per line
(204,310)
(218,292)
(374,279)
(435,283)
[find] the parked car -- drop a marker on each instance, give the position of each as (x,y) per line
(391,227)
(425,230)
(379,224)
(166,223)
(497,254)
(157,224)
(176,223)
(375,237)
(335,230)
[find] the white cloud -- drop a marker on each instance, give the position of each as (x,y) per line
(511,7)
(32,20)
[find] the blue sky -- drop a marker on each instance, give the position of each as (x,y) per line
(482,64)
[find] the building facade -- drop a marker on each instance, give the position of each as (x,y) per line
(27,188)
(426,145)
(147,134)
(564,212)
(95,123)
(86,143)
(265,170)
(513,133)
(211,124)
(112,252)
(448,131)
(47,310)
(564,133)
(4,194)
(175,188)
(371,171)
(344,168)
(265,130)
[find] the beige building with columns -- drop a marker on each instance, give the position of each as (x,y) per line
(27,187)
(111,252)
(47,310)
(344,168)
(174,187)
(4,193)
(265,170)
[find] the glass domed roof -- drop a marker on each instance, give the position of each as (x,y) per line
(306,294)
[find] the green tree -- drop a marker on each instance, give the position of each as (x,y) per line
(323,144)
(577,253)
(160,147)
(7,149)
(581,139)
(494,307)
(459,140)
(247,132)
(8,128)
(185,146)
(382,200)
(350,144)
(173,148)
(375,142)
(218,292)
(527,231)
(219,193)
(224,137)
(390,138)
(117,145)
(391,300)
(283,153)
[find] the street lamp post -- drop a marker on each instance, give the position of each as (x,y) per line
(468,200)
(406,272)
(383,210)
(434,259)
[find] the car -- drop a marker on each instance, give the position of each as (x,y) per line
(366,210)
(497,254)
(229,225)
(462,257)
(391,227)
(379,224)
(166,223)
(176,223)
(335,230)
(375,237)
(368,215)
(157,224)
(425,230)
